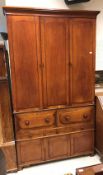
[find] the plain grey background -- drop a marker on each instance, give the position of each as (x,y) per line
(2,18)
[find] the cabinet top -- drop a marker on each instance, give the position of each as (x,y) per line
(71,13)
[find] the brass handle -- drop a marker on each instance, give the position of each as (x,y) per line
(27,122)
(47,120)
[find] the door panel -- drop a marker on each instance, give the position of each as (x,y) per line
(23,36)
(82,61)
(86,143)
(30,151)
(58,147)
(55,46)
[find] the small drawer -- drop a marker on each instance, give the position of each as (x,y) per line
(35,120)
(75,115)
(30,125)
(24,134)
(62,130)
(75,127)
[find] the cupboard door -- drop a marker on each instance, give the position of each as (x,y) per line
(82,61)
(30,152)
(58,147)
(55,55)
(25,59)
(86,143)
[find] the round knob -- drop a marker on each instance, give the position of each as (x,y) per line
(67,118)
(27,122)
(47,120)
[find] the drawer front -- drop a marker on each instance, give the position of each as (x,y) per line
(33,124)
(36,120)
(75,128)
(50,131)
(75,115)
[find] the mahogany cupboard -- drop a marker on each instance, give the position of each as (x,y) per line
(52,61)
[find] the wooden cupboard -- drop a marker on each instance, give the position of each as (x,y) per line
(52,61)
(7,143)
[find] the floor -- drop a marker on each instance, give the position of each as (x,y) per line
(60,167)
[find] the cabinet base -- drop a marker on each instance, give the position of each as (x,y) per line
(25,165)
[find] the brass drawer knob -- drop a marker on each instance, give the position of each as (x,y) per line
(27,122)
(67,118)
(47,120)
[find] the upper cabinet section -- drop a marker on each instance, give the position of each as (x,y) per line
(52,57)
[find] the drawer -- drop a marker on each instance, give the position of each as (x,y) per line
(50,131)
(75,115)
(33,124)
(35,120)
(75,128)
(24,134)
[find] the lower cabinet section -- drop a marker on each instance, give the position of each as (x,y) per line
(54,134)
(55,147)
